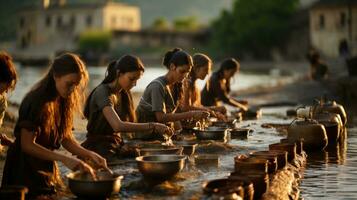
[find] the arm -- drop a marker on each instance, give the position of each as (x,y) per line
(71,145)
(223,96)
(120,126)
(29,146)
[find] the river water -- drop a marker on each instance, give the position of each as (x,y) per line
(331,174)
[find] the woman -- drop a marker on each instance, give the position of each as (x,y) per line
(161,96)
(45,123)
(8,79)
(191,95)
(218,86)
(109,109)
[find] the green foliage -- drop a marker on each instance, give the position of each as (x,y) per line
(160,24)
(94,40)
(253,26)
(186,24)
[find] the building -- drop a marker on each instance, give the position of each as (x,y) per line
(333,27)
(56,25)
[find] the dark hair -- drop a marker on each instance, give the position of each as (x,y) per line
(227,64)
(44,95)
(127,63)
(8,73)
(178,57)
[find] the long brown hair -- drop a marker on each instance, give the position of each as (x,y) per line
(127,63)
(199,60)
(8,73)
(177,57)
(227,64)
(56,113)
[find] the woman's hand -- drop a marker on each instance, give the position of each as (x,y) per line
(97,160)
(220,109)
(221,116)
(162,129)
(198,114)
(77,164)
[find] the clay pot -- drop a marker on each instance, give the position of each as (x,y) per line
(223,187)
(332,107)
(299,145)
(260,181)
(288,147)
(245,165)
(13,192)
(272,160)
(280,155)
(333,125)
(311,132)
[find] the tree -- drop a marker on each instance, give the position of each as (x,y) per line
(186,24)
(253,25)
(160,24)
(95,40)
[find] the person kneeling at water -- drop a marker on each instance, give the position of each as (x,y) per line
(45,123)
(109,109)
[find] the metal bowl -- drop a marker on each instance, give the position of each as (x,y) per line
(82,185)
(160,150)
(160,167)
(189,147)
(240,133)
(212,133)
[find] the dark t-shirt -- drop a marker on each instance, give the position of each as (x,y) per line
(156,98)
(214,92)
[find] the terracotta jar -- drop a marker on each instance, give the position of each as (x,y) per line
(272,160)
(13,192)
(333,125)
(222,187)
(299,145)
(310,131)
(260,181)
(281,156)
(242,164)
(289,147)
(332,107)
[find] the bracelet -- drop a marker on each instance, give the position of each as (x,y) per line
(151,127)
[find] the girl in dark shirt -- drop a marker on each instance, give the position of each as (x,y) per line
(45,123)
(161,97)
(191,99)
(109,109)
(218,86)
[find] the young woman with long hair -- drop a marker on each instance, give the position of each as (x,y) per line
(8,79)
(161,97)
(218,86)
(191,99)
(45,123)
(109,109)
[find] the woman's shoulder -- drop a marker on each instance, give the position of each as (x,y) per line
(102,90)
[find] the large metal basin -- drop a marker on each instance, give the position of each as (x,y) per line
(82,185)
(160,150)
(212,133)
(189,147)
(160,167)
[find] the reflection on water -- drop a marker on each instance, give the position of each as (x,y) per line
(332,174)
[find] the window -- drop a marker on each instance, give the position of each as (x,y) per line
(89,20)
(59,21)
(72,21)
(322,21)
(22,22)
(343,19)
(114,20)
(48,21)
